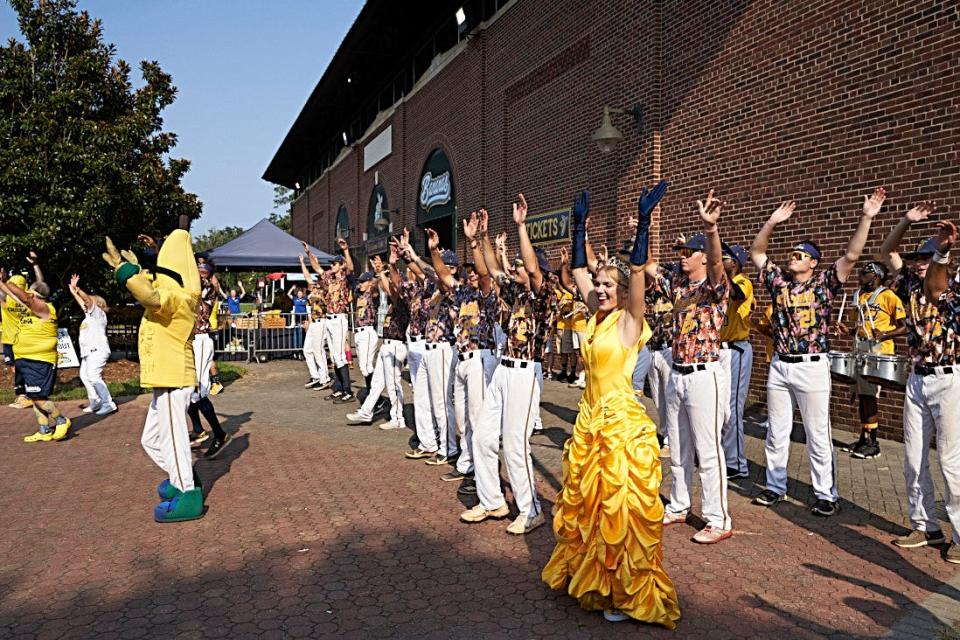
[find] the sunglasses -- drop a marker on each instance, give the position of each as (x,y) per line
(686,252)
(800,255)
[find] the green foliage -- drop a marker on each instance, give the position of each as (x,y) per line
(83,153)
(216,237)
(282,203)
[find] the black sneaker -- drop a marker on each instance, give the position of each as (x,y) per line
(735,474)
(768,498)
(311,383)
(320,386)
(196,439)
(850,448)
(866,450)
(437,459)
(467,488)
(382,406)
(216,447)
(453,476)
(548,375)
(824,508)
(334,395)
(344,398)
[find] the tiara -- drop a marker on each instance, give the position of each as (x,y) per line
(620,266)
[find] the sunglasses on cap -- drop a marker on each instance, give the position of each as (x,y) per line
(686,252)
(800,255)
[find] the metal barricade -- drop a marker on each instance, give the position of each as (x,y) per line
(275,335)
(233,338)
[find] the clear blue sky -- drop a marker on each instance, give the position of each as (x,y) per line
(243,69)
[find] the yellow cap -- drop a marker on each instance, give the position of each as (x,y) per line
(19,281)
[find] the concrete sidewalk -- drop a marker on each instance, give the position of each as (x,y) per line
(318,529)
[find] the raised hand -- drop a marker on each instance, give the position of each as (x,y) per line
(520,210)
(920,212)
(433,240)
(32,258)
(581,209)
(302,263)
(74,281)
(604,256)
(483,219)
(376,264)
(710,208)
(394,253)
(783,212)
(681,239)
(649,199)
(946,235)
(148,241)
(111,256)
(501,241)
(873,202)
(632,223)
(470,226)
(342,243)
(564,256)
(306,247)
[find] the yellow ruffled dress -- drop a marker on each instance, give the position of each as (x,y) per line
(609,515)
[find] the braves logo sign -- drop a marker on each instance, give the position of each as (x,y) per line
(434,190)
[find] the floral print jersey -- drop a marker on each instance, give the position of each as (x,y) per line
(659,309)
(698,312)
(477,315)
(529,316)
(208,297)
(337,291)
(933,330)
(367,306)
(801,310)
(397,319)
(440,314)
(417,295)
(316,298)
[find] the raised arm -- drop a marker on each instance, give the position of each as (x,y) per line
(37,273)
(243,291)
(293,288)
(635,308)
(347,258)
(490,260)
(32,302)
(314,263)
(472,231)
(82,298)
(444,277)
(303,269)
(871,207)
(393,279)
(937,279)
(566,278)
(758,250)
(710,212)
(889,250)
(578,252)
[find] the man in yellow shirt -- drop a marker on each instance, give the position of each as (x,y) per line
(35,347)
(736,356)
(11,310)
(880,319)
(165,344)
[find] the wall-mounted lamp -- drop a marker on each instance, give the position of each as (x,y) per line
(461,17)
(608,136)
(383,222)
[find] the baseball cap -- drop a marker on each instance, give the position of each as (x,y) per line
(18,280)
(696,242)
(450,258)
(808,248)
(736,252)
(337,259)
(925,249)
(542,261)
(876,268)
(366,276)
(206,266)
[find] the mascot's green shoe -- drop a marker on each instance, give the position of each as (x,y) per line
(167,491)
(187,506)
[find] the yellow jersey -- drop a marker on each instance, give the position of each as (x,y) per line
(565,309)
(10,313)
(879,316)
(37,339)
(736,324)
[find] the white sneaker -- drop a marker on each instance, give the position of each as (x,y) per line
(479,514)
(106,409)
(358,418)
(614,615)
(91,408)
(387,426)
(524,524)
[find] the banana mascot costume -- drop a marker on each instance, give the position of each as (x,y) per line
(170,301)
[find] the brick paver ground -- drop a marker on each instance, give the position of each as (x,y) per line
(318,529)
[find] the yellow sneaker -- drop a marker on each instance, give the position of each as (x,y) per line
(61,431)
(215,388)
(22,402)
(39,437)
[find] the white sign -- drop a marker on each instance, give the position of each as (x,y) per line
(434,191)
(378,148)
(66,354)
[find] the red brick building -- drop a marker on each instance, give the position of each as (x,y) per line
(815,101)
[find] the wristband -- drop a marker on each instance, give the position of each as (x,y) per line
(126,271)
(941,258)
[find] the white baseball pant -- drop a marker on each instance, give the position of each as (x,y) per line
(166,438)
(388,374)
(202,357)
(807,383)
(509,410)
(500,339)
(658,377)
(472,375)
(313,351)
(439,362)
(91,375)
(366,341)
(642,368)
(932,404)
(694,412)
(738,360)
(422,409)
(334,332)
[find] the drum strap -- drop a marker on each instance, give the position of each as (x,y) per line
(869,308)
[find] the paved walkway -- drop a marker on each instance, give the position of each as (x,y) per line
(317,529)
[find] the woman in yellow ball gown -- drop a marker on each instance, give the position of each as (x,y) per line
(609,514)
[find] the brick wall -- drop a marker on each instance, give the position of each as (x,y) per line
(817,101)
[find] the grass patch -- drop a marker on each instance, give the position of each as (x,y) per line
(74,389)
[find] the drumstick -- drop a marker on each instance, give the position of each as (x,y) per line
(843,304)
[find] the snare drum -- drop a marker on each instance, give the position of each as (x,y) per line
(843,366)
(887,371)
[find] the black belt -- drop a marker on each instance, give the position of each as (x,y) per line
(434,345)
(731,345)
(924,370)
(333,316)
(686,369)
(366,326)
(466,355)
(794,359)
(517,364)
(386,340)
(415,338)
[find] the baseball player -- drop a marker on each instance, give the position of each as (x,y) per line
(802,299)
(365,336)
(513,397)
(880,316)
(335,328)
(313,350)
(736,355)
(696,405)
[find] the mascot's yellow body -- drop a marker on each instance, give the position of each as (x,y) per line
(170,300)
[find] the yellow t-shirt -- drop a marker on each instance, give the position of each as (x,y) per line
(579,317)
(884,312)
(37,339)
(565,309)
(10,313)
(736,325)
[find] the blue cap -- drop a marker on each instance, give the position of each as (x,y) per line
(450,258)
(736,252)
(925,249)
(366,276)
(337,259)
(542,261)
(697,242)
(809,248)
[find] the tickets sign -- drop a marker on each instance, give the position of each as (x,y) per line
(549,228)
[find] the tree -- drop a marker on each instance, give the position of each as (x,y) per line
(216,237)
(84,153)
(282,203)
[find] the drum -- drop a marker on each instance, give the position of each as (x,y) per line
(887,371)
(843,366)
